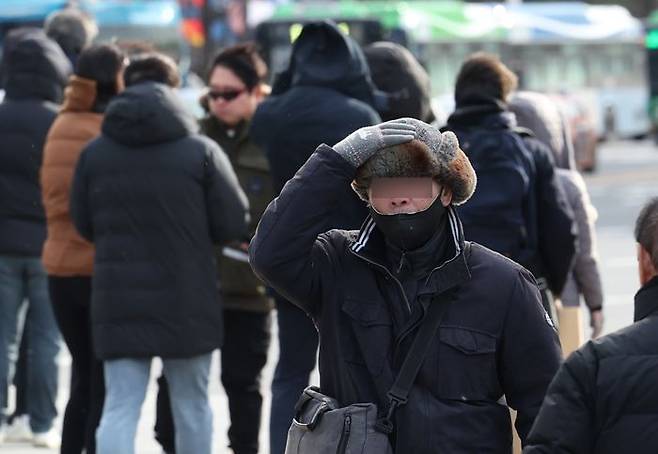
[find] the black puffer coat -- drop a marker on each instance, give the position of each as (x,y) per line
(154,197)
(495,339)
(324,95)
(550,227)
(406,83)
(604,399)
(35,73)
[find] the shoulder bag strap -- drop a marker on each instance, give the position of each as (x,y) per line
(399,392)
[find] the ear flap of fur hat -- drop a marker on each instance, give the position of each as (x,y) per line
(431,154)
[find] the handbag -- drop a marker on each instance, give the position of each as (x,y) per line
(322,426)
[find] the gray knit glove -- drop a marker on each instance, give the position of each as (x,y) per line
(359,146)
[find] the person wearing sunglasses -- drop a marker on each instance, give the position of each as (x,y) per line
(236,86)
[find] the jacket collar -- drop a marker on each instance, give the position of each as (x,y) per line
(80,95)
(646,300)
(419,262)
(481,112)
(370,245)
(237,133)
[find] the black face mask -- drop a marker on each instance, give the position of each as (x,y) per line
(411,231)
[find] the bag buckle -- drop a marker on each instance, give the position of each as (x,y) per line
(385,424)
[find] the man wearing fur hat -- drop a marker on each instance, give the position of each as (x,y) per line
(368,291)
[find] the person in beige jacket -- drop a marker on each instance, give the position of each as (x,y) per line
(67,257)
(543,117)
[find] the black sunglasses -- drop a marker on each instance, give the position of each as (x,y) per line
(225,95)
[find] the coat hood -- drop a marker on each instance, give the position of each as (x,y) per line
(34,67)
(396,72)
(323,56)
(545,119)
(147,114)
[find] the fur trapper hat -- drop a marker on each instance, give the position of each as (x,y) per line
(431,154)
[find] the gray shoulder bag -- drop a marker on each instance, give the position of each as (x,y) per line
(322,426)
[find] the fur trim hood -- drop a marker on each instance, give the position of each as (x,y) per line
(431,154)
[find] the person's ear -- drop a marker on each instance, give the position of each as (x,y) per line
(120,83)
(261,91)
(645,265)
(446,196)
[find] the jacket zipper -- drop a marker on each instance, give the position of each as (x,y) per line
(345,435)
(404,296)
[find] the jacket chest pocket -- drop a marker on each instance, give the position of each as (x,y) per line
(368,342)
(466,365)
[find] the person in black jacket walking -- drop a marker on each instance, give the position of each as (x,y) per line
(604,398)
(396,72)
(520,209)
(73,30)
(153,197)
(34,75)
(236,86)
(323,95)
(368,291)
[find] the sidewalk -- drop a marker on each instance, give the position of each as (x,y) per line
(145,443)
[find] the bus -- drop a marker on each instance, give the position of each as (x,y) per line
(132,24)
(589,52)
(155,21)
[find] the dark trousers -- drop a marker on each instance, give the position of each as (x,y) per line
(243,356)
(71,300)
(164,418)
(298,345)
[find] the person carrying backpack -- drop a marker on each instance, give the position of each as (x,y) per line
(519,208)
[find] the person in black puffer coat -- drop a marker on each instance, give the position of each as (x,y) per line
(35,71)
(153,197)
(325,93)
(604,398)
(396,72)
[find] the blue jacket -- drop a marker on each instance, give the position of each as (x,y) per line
(550,230)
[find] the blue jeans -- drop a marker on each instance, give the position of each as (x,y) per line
(23,282)
(298,345)
(126,381)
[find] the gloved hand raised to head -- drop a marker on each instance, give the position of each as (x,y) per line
(363,143)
